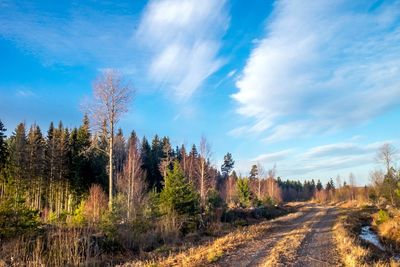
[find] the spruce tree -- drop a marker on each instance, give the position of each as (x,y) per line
(120,151)
(18,152)
(36,152)
(319,185)
(50,153)
(145,152)
(178,195)
(156,156)
(243,191)
(3,147)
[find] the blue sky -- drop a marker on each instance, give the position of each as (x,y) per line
(313,88)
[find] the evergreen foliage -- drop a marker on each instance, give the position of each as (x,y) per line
(178,195)
(243,191)
(228,164)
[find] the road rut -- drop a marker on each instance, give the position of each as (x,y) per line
(305,241)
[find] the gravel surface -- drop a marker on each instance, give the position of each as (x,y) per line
(316,247)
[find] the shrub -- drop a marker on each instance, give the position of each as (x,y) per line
(214,200)
(78,216)
(16,217)
(96,204)
(268,201)
(243,191)
(153,205)
(382,217)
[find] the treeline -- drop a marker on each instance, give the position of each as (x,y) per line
(53,172)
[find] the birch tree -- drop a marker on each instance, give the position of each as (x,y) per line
(111,99)
(261,173)
(132,182)
(202,168)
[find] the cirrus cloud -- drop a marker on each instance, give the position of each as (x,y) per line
(321,67)
(182,39)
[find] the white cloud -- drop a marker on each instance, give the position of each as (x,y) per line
(231,73)
(321,162)
(25,93)
(183,39)
(321,67)
(273,157)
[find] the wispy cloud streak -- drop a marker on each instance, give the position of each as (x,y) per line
(320,67)
(183,39)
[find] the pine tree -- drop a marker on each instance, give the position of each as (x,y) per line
(253,172)
(228,164)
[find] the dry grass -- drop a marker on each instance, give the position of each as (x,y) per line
(352,252)
(208,254)
(55,247)
(390,230)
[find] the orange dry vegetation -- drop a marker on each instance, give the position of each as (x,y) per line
(390,230)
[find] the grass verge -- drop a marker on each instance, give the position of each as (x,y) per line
(208,254)
(353,251)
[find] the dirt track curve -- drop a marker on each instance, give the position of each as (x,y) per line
(306,240)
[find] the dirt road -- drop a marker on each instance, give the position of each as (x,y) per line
(304,241)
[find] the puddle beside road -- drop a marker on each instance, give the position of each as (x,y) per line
(368,235)
(371,237)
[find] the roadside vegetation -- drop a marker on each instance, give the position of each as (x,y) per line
(380,211)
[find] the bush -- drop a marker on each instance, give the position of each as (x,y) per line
(382,217)
(268,201)
(244,193)
(78,217)
(16,218)
(153,206)
(96,204)
(214,201)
